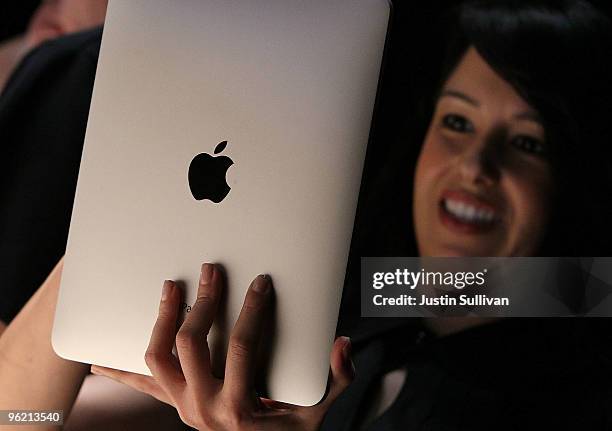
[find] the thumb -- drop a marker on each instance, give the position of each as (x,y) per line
(342,369)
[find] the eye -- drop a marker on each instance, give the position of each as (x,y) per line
(529,145)
(457,123)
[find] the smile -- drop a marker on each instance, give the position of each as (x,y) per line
(466,213)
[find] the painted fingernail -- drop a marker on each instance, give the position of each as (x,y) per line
(207,273)
(167,289)
(261,284)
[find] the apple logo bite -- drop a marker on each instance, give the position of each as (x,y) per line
(207,175)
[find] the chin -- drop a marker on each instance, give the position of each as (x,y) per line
(457,251)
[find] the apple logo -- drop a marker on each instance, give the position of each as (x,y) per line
(207,175)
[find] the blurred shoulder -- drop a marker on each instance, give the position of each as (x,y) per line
(54,60)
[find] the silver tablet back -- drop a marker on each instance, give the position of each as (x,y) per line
(283,91)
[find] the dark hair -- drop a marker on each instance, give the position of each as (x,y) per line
(555,55)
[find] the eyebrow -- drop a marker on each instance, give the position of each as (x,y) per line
(460,95)
(529,116)
(526,116)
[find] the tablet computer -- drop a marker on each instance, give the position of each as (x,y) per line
(224,131)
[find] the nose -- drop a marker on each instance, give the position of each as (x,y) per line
(479,163)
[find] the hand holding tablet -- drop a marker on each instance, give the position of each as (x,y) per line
(187,381)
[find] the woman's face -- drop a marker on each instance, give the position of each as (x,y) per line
(482,182)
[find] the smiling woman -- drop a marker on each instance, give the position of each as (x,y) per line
(515,157)
(508,155)
(483,183)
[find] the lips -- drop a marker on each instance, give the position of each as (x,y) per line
(468,213)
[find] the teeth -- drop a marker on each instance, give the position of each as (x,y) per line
(468,213)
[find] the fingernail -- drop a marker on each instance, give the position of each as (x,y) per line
(346,354)
(261,284)
(166,290)
(207,273)
(94,370)
(346,348)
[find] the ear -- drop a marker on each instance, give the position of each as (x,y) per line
(220,147)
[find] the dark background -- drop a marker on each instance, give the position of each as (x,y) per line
(14,16)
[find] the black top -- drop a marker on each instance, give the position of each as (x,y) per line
(43,115)
(516,374)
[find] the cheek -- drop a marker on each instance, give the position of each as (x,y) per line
(431,166)
(529,198)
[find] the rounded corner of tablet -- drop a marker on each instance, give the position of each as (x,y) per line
(58,346)
(312,398)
